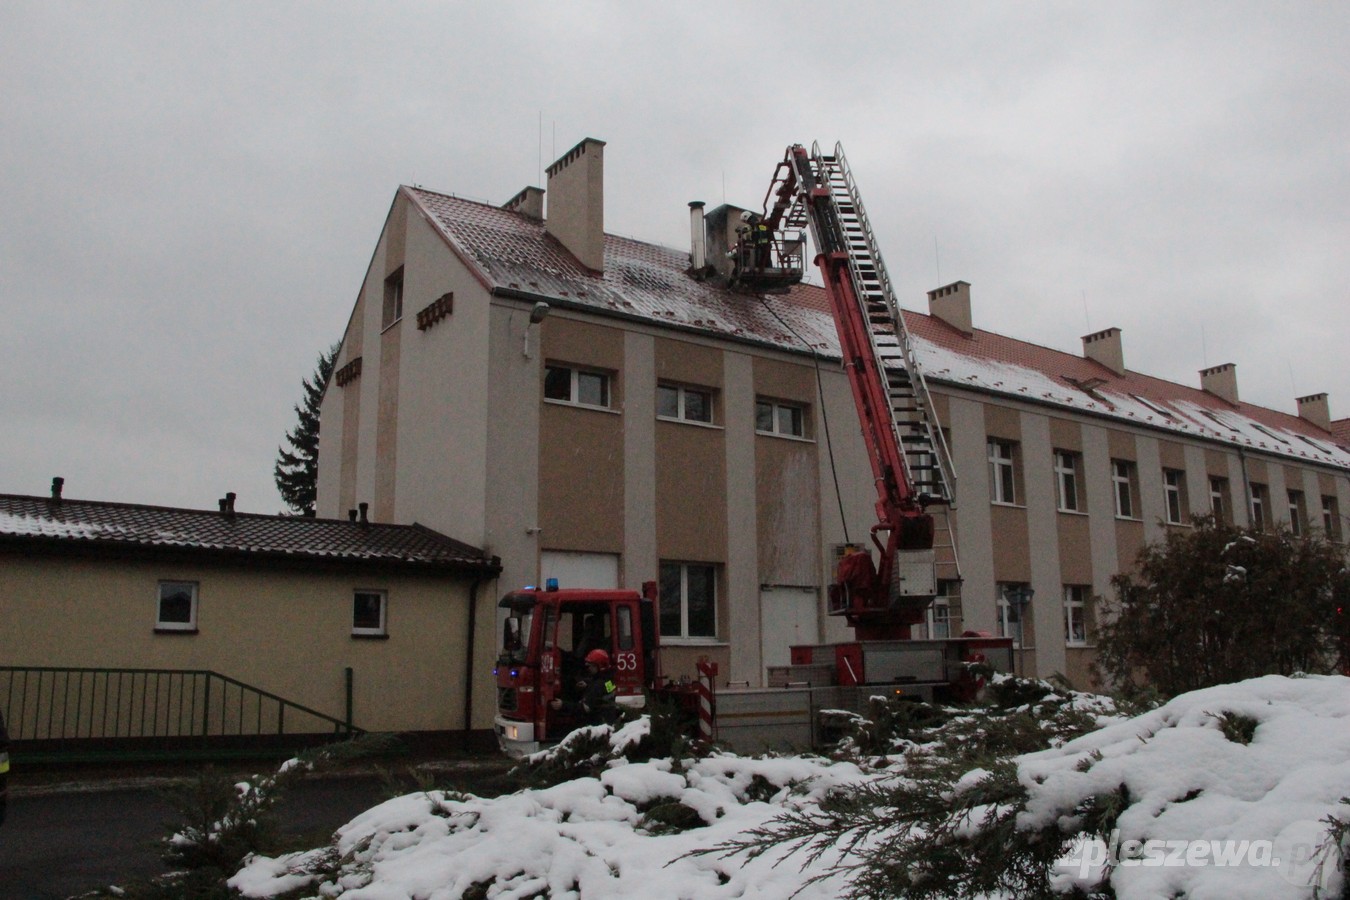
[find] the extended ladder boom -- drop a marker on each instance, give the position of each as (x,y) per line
(908,455)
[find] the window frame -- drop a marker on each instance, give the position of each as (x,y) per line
(1331,518)
(1068,467)
(1174,496)
(1220,499)
(1002,470)
(1004,613)
(1124,477)
(575,374)
(1298,512)
(368,631)
(1077,609)
(1260,502)
(685,636)
(391,312)
(682,393)
(776,410)
(169,626)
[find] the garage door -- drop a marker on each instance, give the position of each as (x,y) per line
(581,570)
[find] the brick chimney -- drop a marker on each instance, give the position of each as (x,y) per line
(951,304)
(576,202)
(529,202)
(1315,409)
(1221,381)
(1104,347)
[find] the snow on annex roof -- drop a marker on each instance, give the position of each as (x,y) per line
(511,252)
(125,527)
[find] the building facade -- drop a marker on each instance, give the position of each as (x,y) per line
(607,412)
(394,617)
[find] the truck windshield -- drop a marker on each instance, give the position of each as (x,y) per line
(516,627)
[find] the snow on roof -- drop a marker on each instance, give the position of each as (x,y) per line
(27,521)
(512,252)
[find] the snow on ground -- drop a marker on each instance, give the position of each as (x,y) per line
(1261,761)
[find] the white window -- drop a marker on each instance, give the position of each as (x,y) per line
(1260,501)
(393,299)
(1174,491)
(1298,513)
(775,417)
(1066,481)
(1122,483)
(1076,610)
(940,611)
(1014,608)
(1001,477)
(1218,499)
(370,610)
(1331,518)
(688,600)
(687,403)
(583,387)
(176,609)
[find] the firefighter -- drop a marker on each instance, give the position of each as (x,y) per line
(762,238)
(597,705)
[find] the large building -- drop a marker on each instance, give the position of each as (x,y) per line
(594,408)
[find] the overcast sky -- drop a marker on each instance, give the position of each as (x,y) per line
(190,193)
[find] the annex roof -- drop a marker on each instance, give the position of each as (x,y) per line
(33,522)
(512,253)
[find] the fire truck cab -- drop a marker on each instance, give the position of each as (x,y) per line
(545,638)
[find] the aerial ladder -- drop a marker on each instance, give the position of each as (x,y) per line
(908,453)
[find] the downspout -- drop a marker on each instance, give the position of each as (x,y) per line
(468,657)
(1246,489)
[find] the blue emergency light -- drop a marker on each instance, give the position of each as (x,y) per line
(551,584)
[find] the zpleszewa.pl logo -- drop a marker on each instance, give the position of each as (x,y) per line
(1303,852)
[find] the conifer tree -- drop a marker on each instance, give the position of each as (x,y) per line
(297,469)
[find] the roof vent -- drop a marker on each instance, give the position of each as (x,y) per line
(227,503)
(1315,409)
(57,484)
(1104,347)
(351,515)
(576,202)
(1221,381)
(951,304)
(365,510)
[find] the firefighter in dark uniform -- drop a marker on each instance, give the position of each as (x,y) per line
(597,705)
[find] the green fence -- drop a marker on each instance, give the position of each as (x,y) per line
(78,714)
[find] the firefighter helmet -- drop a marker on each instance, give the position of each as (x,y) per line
(598,658)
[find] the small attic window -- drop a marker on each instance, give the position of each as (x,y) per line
(1316,445)
(1088,386)
(1268,433)
(1217,421)
(1153,406)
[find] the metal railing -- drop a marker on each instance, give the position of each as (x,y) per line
(61,710)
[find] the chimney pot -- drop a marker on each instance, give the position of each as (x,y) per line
(1104,347)
(951,304)
(351,515)
(529,202)
(698,237)
(57,484)
(365,509)
(1221,381)
(1315,409)
(576,202)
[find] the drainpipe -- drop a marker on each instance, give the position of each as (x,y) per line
(1246,489)
(468,657)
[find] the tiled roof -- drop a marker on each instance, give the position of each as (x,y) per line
(512,252)
(75,524)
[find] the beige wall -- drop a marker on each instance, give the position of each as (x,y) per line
(286,632)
